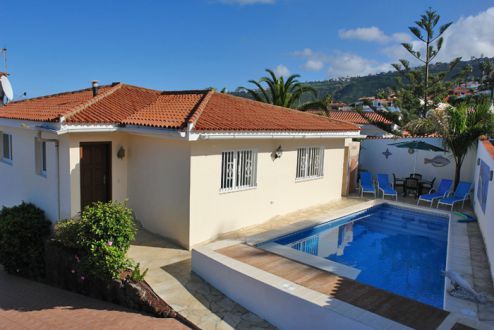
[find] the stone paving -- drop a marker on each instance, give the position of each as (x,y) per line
(171,277)
(26,304)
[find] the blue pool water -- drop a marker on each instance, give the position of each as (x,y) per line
(396,249)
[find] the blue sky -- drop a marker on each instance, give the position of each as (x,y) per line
(55,46)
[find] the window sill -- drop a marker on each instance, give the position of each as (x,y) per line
(7,161)
(225,191)
(311,178)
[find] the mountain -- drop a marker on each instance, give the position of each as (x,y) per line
(352,88)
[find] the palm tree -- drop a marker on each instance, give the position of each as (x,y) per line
(286,93)
(460,128)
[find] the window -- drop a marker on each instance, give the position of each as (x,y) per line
(40,156)
(310,163)
(238,170)
(7,148)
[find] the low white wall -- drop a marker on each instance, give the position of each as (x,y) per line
(401,162)
(19,180)
(283,308)
(158,185)
(213,212)
(486,218)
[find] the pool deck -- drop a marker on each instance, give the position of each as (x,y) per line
(171,276)
(466,255)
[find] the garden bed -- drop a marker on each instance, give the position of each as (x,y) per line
(61,271)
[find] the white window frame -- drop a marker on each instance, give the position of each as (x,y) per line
(10,158)
(310,163)
(40,151)
(230,179)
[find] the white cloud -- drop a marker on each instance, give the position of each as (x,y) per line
(282,70)
(313,65)
(341,64)
(349,64)
(371,34)
(307,52)
(246,2)
(470,36)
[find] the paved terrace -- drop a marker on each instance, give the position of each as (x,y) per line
(171,277)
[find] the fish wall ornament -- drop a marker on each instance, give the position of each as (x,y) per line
(438,161)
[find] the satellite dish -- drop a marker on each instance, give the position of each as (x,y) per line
(7,88)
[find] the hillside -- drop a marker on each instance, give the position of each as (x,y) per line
(351,89)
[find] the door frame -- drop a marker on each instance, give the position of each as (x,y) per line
(109,186)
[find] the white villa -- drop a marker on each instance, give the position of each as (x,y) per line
(192,164)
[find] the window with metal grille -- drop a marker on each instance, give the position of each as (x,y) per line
(238,170)
(310,162)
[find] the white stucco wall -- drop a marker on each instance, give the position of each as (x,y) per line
(486,219)
(158,185)
(19,181)
(401,162)
(213,212)
(119,166)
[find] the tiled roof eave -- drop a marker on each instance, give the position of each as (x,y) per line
(294,133)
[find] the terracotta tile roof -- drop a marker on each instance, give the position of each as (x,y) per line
(114,106)
(228,112)
(356,118)
(489,146)
(169,110)
(49,108)
(130,105)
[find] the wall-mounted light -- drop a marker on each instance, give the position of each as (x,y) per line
(277,153)
(121,153)
(478,161)
(490,175)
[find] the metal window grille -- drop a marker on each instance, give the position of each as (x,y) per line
(238,169)
(310,162)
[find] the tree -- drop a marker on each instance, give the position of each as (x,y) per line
(465,73)
(460,128)
(487,77)
(423,84)
(286,93)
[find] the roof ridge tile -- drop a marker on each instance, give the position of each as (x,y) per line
(92,101)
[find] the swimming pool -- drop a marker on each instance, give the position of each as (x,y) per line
(398,249)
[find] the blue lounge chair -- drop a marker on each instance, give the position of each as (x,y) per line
(442,191)
(385,187)
(462,193)
(366,184)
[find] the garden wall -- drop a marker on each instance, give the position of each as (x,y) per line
(484,196)
(378,156)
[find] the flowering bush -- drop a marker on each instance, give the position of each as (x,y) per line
(23,230)
(107,222)
(102,237)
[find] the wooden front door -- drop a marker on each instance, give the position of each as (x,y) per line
(95,172)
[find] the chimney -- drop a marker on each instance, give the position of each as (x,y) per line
(95,87)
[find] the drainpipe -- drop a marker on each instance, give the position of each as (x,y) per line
(57,147)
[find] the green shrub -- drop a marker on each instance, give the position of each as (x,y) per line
(110,223)
(23,230)
(104,261)
(67,233)
(102,236)
(137,275)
